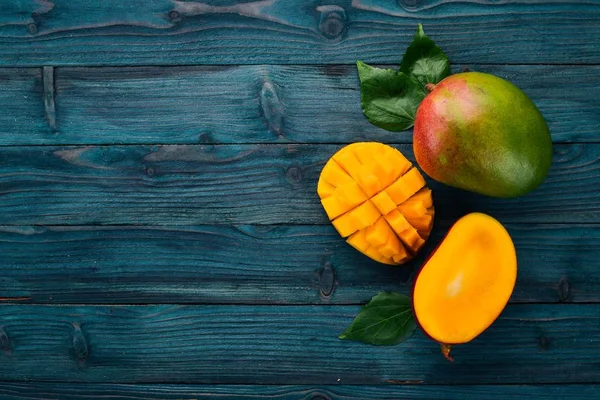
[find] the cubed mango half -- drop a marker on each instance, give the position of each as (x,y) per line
(377,200)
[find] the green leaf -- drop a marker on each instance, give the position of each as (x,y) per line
(386,320)
(389,98)
(424,60)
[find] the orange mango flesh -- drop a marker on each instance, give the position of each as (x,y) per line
(375,198)
(465,284)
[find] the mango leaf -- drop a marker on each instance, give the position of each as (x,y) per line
(389,98)
(386,320)
(424,60)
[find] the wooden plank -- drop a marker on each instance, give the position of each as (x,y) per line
(22,119)
(314,104)
(260,265)
(77,32)
(86,391)
(262,104)
(285,345)
(241,184)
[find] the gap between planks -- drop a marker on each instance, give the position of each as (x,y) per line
(258,64)
(259,304)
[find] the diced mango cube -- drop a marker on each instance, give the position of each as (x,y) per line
(348,161)
(383,202)
(384,171)
(365,215)
(417,215)
(401,258)
(351,193)
(400,162)
(374,253)
(334,207)
(358,240)
(324,189)
(345,225)
(358,218)
(364,152)
(412,209)
(390,166)
(378,233)
(407,185)
(392,246)
(423,195)
(344,198)
(422,224)
(388,261)
(334,174)
(397,221)
(369,182)
(412,239)
(405,231)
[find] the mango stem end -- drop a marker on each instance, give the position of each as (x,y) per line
(446,348)
(430,86)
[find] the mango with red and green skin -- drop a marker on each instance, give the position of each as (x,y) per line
(481,133)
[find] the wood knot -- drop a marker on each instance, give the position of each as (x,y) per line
(80,347)
(336,70)
(205,138)
(271,108)
(564,290)
(174,16)
(327,281)
(544,342)
(32,28)
(294,174)
(409,4)
(332,22)
(150,172)
(5,343)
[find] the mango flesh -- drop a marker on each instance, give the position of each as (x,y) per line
(375,198)
(478,132)
(467,281)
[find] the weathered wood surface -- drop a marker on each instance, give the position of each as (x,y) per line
(151,32)
(22,101)
(86,391)
(242,184)
(260,265)
(247,104)
(258,94)
(285,345)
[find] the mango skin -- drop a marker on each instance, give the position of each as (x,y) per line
(481,133)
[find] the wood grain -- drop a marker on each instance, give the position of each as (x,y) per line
(22,119)
(241,184)
(246,104)
(258,104)
(260,265)
(285,345)
(86,391)
(151,32)
(98,218)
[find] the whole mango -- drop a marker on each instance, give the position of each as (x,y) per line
(481,133)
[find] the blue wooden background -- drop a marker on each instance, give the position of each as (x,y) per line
(160,234)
